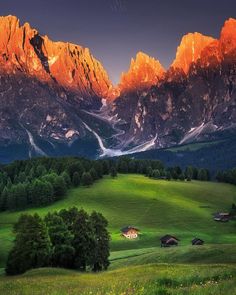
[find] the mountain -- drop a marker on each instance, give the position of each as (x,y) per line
(189,51)
(195,100)
(24,50)
(43,86)
(57,99)
(143,73)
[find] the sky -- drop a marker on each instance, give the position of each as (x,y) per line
(115,30)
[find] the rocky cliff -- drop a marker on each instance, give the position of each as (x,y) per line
(57,99)
(194,100)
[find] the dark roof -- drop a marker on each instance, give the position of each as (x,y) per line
(197,239)
(167,237)
(221,214)
(127,228)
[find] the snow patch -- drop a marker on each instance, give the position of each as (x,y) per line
(117,152)
(33,144)
(193,132)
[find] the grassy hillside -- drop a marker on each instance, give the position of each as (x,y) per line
(156,207)
(152,279)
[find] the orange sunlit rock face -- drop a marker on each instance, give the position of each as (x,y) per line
(143,73)
(189,50)
(71,66)
(23,49)
(228,39)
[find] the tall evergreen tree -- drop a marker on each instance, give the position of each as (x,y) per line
(86,179)
(100,251)
(61,239)
(156,174)
(66,178)
(113,172)
(76,179)
(83,240)
(32,247)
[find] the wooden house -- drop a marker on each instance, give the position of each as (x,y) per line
(197,242)
(169,240)
(130,232)
(222,216)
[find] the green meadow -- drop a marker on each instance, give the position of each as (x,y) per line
(156,207)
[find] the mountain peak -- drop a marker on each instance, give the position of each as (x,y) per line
(228,38)
(144,72)
(189,50)
(23,49)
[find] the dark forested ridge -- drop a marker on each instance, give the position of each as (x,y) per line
(214,156)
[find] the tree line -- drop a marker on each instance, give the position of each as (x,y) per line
(155,169)
(42,181)
(228,176)
(69,238)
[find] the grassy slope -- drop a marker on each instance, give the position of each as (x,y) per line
(156,207)
(149,280)
(193,146)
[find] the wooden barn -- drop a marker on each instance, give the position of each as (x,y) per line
(168,241)
(197,242)
(222,216)
(130,232)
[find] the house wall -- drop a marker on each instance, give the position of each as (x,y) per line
(131,234)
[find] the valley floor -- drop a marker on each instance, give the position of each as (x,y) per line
(156,207)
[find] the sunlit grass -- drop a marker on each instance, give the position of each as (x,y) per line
(156,207)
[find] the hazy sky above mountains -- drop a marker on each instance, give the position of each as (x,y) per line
(115,30)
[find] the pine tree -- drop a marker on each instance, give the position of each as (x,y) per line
(59,187)
(149,172)
(66,178)
(113,172)
(202,175)
(189,173)
(83,240)
(69,216)
(156,174)
(61,239)
(93,173)
(32,247)
(76,179)
(4,197)
(75,167)
(86,179)
(101,251)
(98,168)
(168,175)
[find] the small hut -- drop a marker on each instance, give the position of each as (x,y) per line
(222,216)
(130,232)
(197,242)
(168,241)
